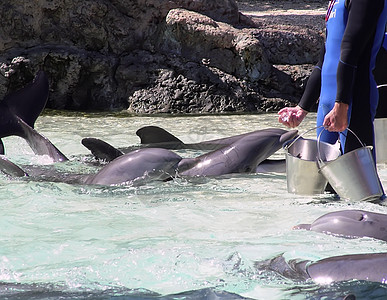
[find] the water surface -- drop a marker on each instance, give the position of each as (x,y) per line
(182,239)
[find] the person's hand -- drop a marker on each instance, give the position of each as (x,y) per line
(337,119)
(291,116)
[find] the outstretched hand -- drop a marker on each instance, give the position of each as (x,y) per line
(337,119)
(291,116)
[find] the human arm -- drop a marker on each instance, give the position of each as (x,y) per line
(293,116)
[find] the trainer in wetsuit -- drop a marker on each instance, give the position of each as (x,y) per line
(343,77)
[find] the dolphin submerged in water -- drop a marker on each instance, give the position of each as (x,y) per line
(350,223)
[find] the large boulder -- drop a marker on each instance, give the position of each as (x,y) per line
(200,38)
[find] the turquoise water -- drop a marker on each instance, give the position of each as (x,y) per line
(189,239)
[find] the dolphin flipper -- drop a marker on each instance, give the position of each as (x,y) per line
(155,135)
(100,149)
(272,166)
(40,144)
(10,168)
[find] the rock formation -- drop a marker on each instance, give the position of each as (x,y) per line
(151,56)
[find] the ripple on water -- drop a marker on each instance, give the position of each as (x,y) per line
(193,236)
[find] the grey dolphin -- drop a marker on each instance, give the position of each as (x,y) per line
(242,156)
(19,111)
(351,223)
(137,164)
(366,266)
(134,167)
(156,137)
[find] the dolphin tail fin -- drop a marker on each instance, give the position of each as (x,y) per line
(100,149)
(154,134)
(9,168)
(40,144)
(28,102)
(272,166)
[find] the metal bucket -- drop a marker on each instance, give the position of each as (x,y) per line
(353,175)
(380,125)
(302,172)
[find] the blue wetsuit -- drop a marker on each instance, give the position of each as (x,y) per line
(354,34)
(380,74)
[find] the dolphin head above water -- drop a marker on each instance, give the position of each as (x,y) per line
(242,156)
(138,164)
(351,223)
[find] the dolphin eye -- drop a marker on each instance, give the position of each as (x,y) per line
(361,218)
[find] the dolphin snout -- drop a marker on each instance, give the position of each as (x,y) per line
(288,136)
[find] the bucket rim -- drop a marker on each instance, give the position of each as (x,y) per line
(300,136)
(323,164)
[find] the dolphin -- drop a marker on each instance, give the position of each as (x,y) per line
(244,155)
(157,163)
(156,137)
(350,223)
(366,266)
(18,113)
(135,167)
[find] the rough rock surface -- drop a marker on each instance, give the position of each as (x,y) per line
(151,56)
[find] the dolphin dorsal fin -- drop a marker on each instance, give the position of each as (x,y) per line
(101,149)
(154,134)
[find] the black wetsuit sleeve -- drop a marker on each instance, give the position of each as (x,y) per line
(313,86)
(360,28)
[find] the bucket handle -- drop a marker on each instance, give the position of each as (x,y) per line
(286,147)
(318,144)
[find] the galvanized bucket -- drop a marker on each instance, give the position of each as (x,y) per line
(353,175)
(380,126)
(302,172)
